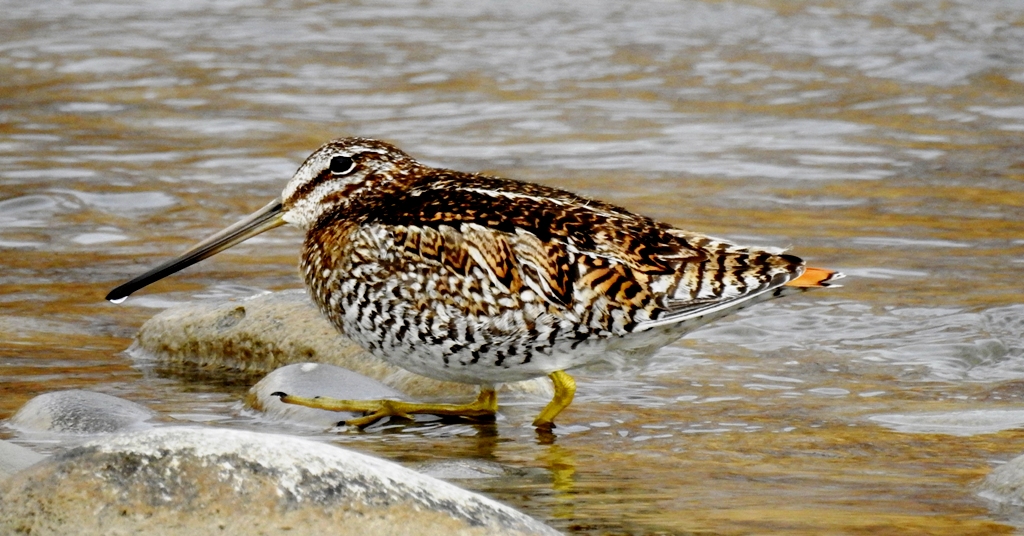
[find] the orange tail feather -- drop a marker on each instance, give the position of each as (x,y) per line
(816,277)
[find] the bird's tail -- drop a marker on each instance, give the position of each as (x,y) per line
(816,277)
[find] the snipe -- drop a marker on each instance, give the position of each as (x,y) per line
(483,280)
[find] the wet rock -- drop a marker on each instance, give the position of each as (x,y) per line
(1005,484)
(959,423)
(204,480)
(79,412)
(267,331)
(313,379)
(468,469)
(258,334)
(14,458)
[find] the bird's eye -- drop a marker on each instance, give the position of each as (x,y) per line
(341,165)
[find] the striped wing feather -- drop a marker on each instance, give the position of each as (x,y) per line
(570,249)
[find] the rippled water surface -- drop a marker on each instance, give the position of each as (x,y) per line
(882,138)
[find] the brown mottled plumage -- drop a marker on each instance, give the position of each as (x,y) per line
(484,280)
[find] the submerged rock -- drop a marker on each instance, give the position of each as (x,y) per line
(205,480)
(960,423)
(1005,484)
(79,412)
(314,379)
(469,469)
(267,331)
(14,458)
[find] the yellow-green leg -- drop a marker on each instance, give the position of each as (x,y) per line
(565,390)
(486,404)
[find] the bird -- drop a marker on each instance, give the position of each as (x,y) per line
(484,280)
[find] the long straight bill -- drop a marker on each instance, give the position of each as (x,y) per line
(264,219)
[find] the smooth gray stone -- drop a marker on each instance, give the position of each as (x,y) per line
(959,423)
(183,480)
(1005,484)
(14,458)
(79,412)
(313,379)
(267,331)
(468,469)
(1004,488)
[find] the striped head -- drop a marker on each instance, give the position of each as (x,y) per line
(339,172)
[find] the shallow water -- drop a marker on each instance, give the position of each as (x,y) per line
(881,138)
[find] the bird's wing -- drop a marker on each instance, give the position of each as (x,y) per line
(570,249)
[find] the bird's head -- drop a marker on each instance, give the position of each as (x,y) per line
(339,173)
